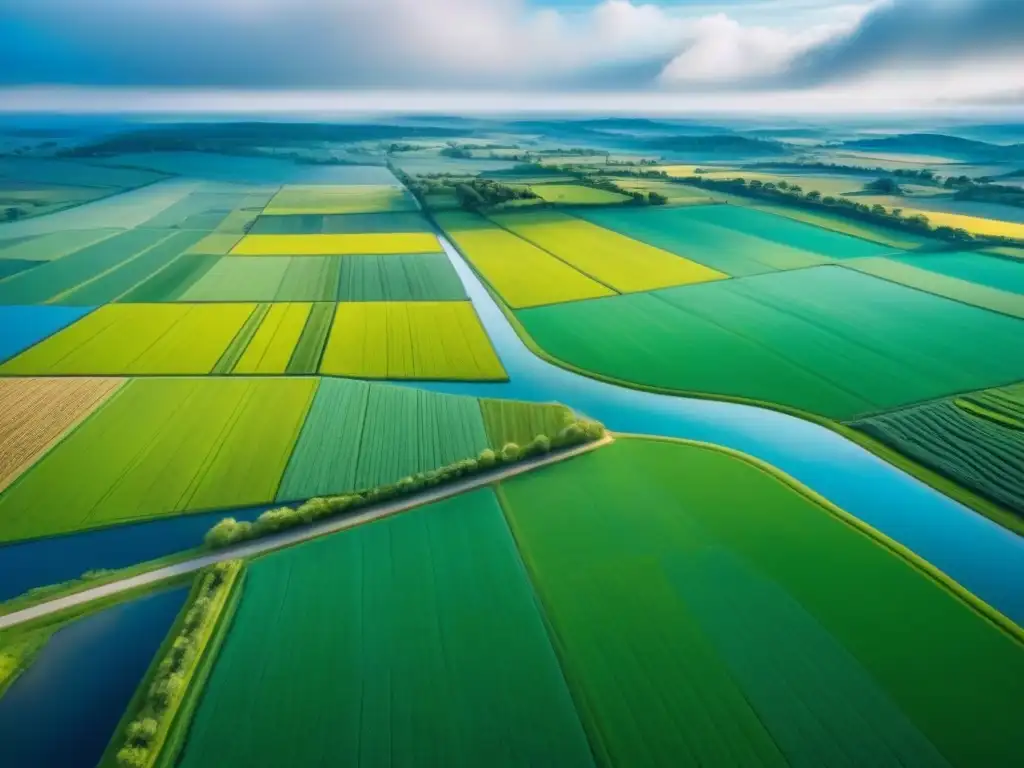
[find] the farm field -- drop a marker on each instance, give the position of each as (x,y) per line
(707,609)
(976,225)
(893,238)
(360,627)
(677,194)
(1003,274)
(913,271)
(683,231)
(271,346)
(523,274)
(619,262)
(37,412)
(399,277)
(144,339)
(161,447)
(576,194)
(409,340)
(336,245)
(359,435)
(824,340)
(975,439)
(53,245)
(326,200)
(350,223)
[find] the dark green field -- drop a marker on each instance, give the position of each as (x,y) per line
(709,614)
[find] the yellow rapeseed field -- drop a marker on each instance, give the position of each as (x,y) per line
(410,340)
(337,245)
(618,261)
(973,224)
(524,275)
(271,347)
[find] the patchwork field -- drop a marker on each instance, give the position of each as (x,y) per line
(336,245)
(920,272)
(617,261)
(825,340)
(399,277)
(37,412)
(271,346)
(361,628)
(54,245)
(351,223)
(409,340)
(326,200)
(685,232)
(160,447)
(360,435)
(576,194)
(706,609)
(268,278)
(523,274)
(976,439)
(136,339)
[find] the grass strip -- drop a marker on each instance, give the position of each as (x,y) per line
(237,346)
(310,347)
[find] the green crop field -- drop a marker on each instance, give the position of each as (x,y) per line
(704,608)
(136,339)
(410,340)
(826,340)
(976,439)
(415,640)
(51,281)
(53,245)
(1005,274)
(268,278)
(171,282)
(360,435)
(310,346)
(891,238)
(509,421)
(327,200)
(914,271)
(683,232)
(608,257)
(160,447)
(348,223)
(403,277)
(523,274)
(576,194)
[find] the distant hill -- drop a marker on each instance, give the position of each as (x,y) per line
(942,145)
(720,144)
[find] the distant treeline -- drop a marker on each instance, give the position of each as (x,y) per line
(849,208)
(920,176)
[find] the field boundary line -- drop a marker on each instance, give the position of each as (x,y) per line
(300,534)
(968,598)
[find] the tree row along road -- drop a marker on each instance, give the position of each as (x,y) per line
(295,535)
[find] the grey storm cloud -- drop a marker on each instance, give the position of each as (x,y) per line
(915,33)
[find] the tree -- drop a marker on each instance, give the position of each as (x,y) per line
(814,195)
(883,186)
(469,198)
(656,198)
(510,452)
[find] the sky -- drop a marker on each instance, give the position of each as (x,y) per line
(744,56)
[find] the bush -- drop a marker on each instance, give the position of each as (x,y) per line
(228,531)
(510,452)
(487,459)
(133,757)
(141,732)
(571,435)
(540,445)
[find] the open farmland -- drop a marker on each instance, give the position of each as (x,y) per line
(676,194)
(37,413)
(410,340)
(576,194)
(53,245)
(707,609)
(825,340)
(361,628)
(973,224)
(336,245)
(975,439)
(351,223)
(964,277)
(136,339)
(360,435)
(274,341)
(895,239)
(619,262)
(326,200)
(268,278)
(523,274)
(56,279)
(399,277)
(684,232)
(160,447)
